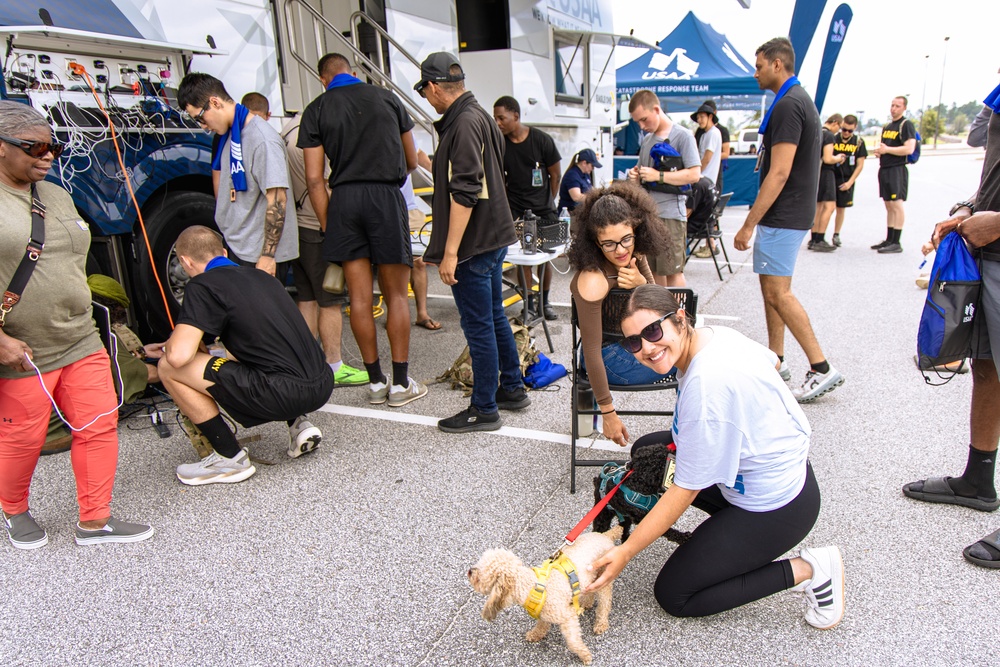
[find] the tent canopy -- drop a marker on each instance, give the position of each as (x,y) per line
(694,63)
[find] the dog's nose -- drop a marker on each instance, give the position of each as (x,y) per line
(469,573)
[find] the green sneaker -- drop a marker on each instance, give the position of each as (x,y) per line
(348,375)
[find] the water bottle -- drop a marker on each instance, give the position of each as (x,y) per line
(564,221)
(529,232)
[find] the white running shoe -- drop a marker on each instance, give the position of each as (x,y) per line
(303,437)
(785,372)
(825,590)
(817,384)
(217,469)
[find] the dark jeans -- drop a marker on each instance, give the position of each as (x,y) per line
(478,296)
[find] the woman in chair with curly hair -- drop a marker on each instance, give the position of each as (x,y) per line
(615,229)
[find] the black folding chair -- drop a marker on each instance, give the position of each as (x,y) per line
(712,231)
(582,397)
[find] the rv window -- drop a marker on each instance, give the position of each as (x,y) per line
(571,68)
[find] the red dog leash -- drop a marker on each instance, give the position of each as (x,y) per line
(591,515)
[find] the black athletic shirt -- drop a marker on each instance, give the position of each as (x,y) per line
(849,147)
(537,151)
(895,134)
(988,198)
(794,121)
(828,140)
(255,318)
(359,128)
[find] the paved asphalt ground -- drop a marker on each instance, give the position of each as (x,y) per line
(356,554)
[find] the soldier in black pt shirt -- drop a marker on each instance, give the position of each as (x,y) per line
(279,372)
(899,139)
(826,196)
(847,142)
(533,168)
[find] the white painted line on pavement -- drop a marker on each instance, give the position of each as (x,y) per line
(728,318)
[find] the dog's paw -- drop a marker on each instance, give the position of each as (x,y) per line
(600,627)
(535,635)
(584,655)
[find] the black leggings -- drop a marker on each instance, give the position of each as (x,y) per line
(729,560)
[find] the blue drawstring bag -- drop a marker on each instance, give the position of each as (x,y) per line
(946,324)
(666,158)
(543,372)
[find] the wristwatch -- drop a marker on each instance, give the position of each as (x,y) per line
(962,204)
(661,177)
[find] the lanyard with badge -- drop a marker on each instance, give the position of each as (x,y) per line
(536,176)
(785,87)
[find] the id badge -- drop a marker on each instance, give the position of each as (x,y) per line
(668,471)
(850,161)
(760,160)
(536,178)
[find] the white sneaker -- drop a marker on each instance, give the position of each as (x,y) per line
(817,384)
(399,395)
(825,590)
(303,437)
(217,469)
(785,372)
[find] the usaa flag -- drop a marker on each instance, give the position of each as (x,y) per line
(835,39)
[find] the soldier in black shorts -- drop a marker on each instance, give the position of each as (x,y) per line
(826,196)
(847,143)
(899,139)
(279,373)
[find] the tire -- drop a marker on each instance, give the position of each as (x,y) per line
(165,219)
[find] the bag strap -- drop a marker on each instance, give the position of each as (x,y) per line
(31,254)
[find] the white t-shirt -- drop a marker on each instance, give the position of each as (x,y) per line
(711,141)
(737,425)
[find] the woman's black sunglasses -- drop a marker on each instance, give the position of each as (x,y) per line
(652,332)
(36,149)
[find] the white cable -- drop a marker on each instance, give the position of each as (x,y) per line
(121,401)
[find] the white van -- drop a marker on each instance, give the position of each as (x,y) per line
(747,141)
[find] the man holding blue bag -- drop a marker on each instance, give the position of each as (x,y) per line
(977,221)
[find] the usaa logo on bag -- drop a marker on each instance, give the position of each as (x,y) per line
(970,312)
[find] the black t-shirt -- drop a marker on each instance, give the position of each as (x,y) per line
(988,198)
(794,120)
(895,134)
(700,201)
(853,147)
(520,161)
(255,318)
(827,140)
(358,127)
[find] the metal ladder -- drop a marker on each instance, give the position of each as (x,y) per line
(304,22)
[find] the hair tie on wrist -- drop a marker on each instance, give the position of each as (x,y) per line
(608,412)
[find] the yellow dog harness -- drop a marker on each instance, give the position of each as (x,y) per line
(536,598)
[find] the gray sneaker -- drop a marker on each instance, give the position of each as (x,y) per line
(114,531)
(303,437)
(217,469)
(24,533)
(785,372)
(400,396)
(378,393)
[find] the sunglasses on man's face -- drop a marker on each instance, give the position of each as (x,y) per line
(652,332)
(846,130)
(36,149)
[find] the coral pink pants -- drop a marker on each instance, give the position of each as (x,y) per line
(82,390)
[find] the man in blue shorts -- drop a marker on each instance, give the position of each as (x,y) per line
(788,162)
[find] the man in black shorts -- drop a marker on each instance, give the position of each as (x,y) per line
(899,139)
(367,135)
(826,195)
(848,143)
(279,373)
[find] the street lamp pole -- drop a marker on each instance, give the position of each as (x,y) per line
(944,62)
(923,96)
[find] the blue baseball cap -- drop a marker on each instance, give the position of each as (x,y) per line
(587,155)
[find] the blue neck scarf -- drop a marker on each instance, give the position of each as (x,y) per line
(342,80)
(792,81)
(236,169)
(993,100)
(221,260)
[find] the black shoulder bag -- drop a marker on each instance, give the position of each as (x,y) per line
(31,254)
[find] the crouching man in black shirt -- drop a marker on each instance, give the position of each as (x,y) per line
(280,375)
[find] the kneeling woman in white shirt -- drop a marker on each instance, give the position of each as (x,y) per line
(742,446)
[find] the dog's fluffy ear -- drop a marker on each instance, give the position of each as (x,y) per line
(499,594)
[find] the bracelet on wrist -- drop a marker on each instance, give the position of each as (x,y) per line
(608,412)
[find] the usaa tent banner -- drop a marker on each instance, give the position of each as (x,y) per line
(694,62)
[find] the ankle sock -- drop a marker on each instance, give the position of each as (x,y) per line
(822,367)
(977,480)
(888,234)
(335,365)
(399,371)
(375,375)
(896,235)
(781,358)
(223,440)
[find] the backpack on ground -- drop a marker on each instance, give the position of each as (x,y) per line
(946,324)
(459,375)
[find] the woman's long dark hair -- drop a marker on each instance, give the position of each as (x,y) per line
(619,202)
(657,299)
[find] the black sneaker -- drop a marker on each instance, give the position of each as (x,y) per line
(880,245)
(469,420)
(809,246)
(823,246)
(512,400)
(549,312)
(890,248)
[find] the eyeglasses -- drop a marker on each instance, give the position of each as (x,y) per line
(652,332)
(36,149)
(611,246)
(421,88)
(200,118)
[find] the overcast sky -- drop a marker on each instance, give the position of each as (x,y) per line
(882,56)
